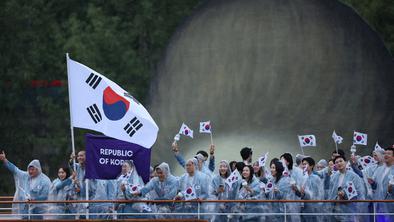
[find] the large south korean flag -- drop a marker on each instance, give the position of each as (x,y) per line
(99,104)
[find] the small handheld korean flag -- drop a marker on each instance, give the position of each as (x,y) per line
(307,140)
(263,159)
(185,130)
(146,208)
(99,104)
(135,188)
(286,172)
(269,186)
(337,139)
(377,147)
(205,127)
(190,193)
(234,177)
(177,137)
(350,190)
(349,167)
(366,161)
(360,138)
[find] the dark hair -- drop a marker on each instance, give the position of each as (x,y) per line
(240,166)
(202,152)
(340,152)
(390,148)
(289,158)
(66,169)
(273,160)
(231,165)
(310,161)
(343,157)
(155,166)
(279,169)
(245,152)
(250,175)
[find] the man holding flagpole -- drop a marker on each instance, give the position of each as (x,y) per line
(99,104)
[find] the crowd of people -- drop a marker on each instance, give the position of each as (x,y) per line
(285,178)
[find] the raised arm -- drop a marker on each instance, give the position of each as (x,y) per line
(178,156)
(10,166)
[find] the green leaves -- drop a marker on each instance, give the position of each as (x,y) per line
(121,39)
(380,15)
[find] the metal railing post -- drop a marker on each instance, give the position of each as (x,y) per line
(28,212)
(374,211)
(198,210)
(285,212)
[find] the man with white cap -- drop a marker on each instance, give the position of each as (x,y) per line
(30,185)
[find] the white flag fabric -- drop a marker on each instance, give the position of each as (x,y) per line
(177,137)
(269,186)
(234,177)
(350,190)
(337,139)
(286,172)
(190,194)
(99,104)
(349,167)
(185,130)
(205,127)
(377,147)
(263,160)
(135,188)
(307,140)
(360,138)
(366,161)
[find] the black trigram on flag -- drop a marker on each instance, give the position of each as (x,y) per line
(94,112)
(133,126)
(93,80)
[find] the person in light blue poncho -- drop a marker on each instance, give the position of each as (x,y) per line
(278,188)
(127,184)
(220,190)
(103,190)
(339,182)
(165,186)
(296,179)
(249,189)
(382,183)
(79,184)
(61,189)
(311,189)
(195,184)
(182,162)
(30,185)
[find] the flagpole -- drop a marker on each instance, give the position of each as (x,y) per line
(71,116)
(336,146)
(87,197)
(211,138)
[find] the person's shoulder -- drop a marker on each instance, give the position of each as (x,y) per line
(171,178)
(45,178)
(284,179)
(315,177)
(154,180)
